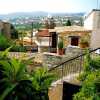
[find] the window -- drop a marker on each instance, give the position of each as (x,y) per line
(74,40)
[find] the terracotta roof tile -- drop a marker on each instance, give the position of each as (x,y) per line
(43,33)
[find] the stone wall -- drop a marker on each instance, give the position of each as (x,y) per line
(56,92)
(95,39)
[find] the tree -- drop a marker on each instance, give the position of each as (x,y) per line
(14,32)
(68,23)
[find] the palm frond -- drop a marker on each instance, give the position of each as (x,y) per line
(6,52)
(7,91)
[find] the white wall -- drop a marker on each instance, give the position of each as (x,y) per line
(43,41)
(96,20)
(88,22)
(92,22)
(95,39)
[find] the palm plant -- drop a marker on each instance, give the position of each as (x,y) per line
(41,81)
(14,72)
(18,84)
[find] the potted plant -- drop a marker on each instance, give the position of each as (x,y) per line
(60,48)
(84,42)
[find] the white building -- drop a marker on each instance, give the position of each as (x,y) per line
(92,22)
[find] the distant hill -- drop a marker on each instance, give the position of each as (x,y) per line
(37,13)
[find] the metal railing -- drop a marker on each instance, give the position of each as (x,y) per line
(71,66)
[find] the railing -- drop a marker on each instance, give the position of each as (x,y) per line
(71,66)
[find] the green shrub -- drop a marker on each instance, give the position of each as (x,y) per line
(4,43)
(90,88)
(18,48)
(90,80)
(17,84)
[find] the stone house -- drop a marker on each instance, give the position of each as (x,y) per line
(72,35)
(47,39)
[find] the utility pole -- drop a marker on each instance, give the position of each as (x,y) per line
(32,34)
(98,4)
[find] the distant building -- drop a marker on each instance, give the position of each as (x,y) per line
(46,41)
(50,22)
(92,21)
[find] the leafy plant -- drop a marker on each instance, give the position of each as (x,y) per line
(68,23)
(91,87)
(60,44)
(17,84)
(41,81)
(4,42)
(90,80)
(14,72)
(18,48)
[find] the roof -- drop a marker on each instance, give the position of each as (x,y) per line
(94,10)
(69,29)
(43,33)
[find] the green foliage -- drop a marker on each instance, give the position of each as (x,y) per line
(4,42)
(90,90)
(68,23)
(4,54)
(85,40)
(14,33)
(28,27)
(18,48)
(60,44)
(90,80)
(17,84)
(14,72)
(41,80)
(95,63)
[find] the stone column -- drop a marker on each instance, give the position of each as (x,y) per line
(95,39)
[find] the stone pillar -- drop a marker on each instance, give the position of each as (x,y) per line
(95,39)
(56,92)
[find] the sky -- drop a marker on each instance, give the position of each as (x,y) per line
(11,6)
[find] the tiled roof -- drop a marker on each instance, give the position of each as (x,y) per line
(43,33)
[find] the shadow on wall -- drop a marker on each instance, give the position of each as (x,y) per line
(69,90)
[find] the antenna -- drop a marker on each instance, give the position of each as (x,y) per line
(98,4)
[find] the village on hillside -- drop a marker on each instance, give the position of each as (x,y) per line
(58,48)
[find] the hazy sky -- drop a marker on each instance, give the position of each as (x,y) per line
(9,6)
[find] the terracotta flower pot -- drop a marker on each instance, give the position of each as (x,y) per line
(84,45)
(60,51)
